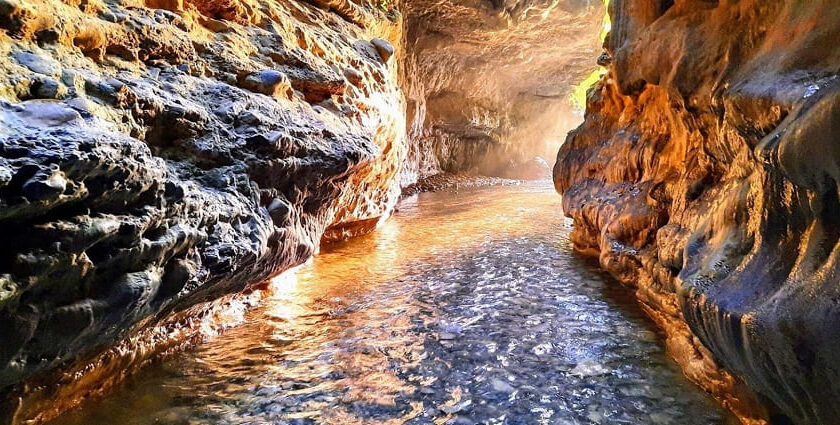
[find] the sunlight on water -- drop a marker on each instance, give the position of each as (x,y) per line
(465,308)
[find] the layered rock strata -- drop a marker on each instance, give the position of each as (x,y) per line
(705,175)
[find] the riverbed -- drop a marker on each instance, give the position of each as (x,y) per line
(467,307)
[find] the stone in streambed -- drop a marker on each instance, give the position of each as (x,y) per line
(501,386)
(589,367)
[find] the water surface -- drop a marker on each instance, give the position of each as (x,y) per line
(466,308)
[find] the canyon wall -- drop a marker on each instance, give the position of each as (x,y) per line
(488,82)
(706,176)
(155,156)
(158,156)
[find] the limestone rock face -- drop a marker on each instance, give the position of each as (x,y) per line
(706,175)
(488,82)
(155,155)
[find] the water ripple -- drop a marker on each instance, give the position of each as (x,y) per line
(466,308)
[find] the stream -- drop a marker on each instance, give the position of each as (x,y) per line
(468,307)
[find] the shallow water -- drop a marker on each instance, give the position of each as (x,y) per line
(466,308)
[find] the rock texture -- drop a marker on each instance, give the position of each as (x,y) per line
(157,155)
(488,82)
(706,176)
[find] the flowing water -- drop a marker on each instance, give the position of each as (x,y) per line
(465,308)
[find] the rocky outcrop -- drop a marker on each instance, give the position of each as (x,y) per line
(705,175)
(488,82)
(157,155)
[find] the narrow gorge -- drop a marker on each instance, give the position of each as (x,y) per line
(340,212)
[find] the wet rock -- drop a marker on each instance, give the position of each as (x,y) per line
(279,211)
(354,77)
(176,276)
(181,166)
(479,106)
(588,368)
(268,82)
(447,336)
(43,113)
(460,420)
(38,63)
(456,407)
(604,60)
(453,182)
(316,84)
(44,185)
(384,48)
(501,386)
(48,88)
(143,182)
(716,214)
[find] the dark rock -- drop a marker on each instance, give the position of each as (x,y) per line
(268,82)
(604,59)
(45,185)
(158,185)
(47,88)
(38,64)
(279,212)
(384,48)
(176,276)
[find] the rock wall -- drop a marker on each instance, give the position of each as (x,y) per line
(705,175)
(488,82)
(156,155)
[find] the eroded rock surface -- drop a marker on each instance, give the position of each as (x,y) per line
(156,155)
(706,176)
(488,82)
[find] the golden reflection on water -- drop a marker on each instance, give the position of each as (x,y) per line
(427,229)
(465,306)
(423,230)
